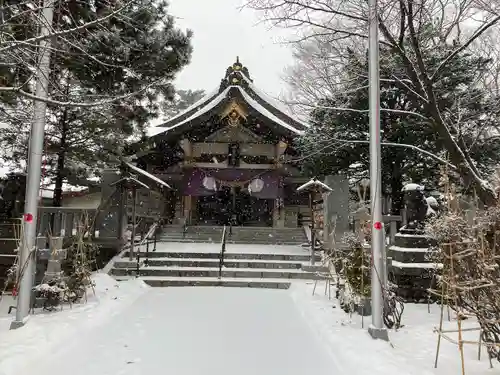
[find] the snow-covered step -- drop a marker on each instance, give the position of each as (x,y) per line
(232,241)
(278,256)
(250,273)
(181,264)
(411,254)
(411,240)
(244,235)
(211,282)
(214,263)
(424,270)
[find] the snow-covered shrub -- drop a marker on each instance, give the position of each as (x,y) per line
(470,278)
(356,265)
(78,268)
(52,293)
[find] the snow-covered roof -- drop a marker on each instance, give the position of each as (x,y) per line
(413,187)
(237,80)
(271,101)
(201,110)
(314,183)
(148,175)
(259,108)
(47,191)
(200,103)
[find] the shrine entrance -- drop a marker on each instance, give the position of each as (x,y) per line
(236,206)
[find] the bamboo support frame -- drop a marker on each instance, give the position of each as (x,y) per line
(455,288)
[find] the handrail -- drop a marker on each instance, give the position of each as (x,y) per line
(222,250)
(147,236)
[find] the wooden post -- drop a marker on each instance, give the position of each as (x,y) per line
(313,240)
(187,209)
(134,216)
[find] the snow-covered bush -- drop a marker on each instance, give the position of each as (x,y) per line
(356,265)
(81,259)
(52,293)
(468,250)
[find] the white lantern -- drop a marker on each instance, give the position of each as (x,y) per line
(256,186)
(209,183)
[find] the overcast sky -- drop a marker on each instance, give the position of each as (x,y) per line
(222,32)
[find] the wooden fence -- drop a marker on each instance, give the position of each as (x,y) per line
(63,221)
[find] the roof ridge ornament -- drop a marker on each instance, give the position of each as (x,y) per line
(236,74)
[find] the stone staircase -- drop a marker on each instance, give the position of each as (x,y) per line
(273,268)
(240,235)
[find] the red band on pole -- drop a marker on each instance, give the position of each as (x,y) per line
(377,225)
(28,218)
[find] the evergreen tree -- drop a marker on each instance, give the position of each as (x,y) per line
(140,53)
(325,154)
(181,101)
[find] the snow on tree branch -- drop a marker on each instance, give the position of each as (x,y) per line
(426,63)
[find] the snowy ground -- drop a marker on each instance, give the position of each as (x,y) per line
(411,350)
(22,350)
(130,329)
(190,331)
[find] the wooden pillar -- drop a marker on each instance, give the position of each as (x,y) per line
(278,214)
(187,208)
(280,149)
(187,201)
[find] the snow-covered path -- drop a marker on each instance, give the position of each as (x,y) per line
(191,331)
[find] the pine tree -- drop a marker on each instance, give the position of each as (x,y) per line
(140,55)
(181,101)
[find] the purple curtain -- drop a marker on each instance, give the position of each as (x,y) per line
(193,181)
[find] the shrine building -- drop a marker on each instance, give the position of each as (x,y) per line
(230,157)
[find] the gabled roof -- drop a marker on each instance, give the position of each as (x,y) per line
(314,184)
(236,84)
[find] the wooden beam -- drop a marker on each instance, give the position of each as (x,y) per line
(246,149)
(224,165)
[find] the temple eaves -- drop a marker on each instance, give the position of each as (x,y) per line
(236,83)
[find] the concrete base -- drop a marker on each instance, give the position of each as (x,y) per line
(378,333)
(18,323)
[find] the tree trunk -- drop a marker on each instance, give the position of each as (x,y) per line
(61,156)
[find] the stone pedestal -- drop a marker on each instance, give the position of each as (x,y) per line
(48,261)
(411,266)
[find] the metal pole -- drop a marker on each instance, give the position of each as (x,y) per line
(28,243)
(377,329)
